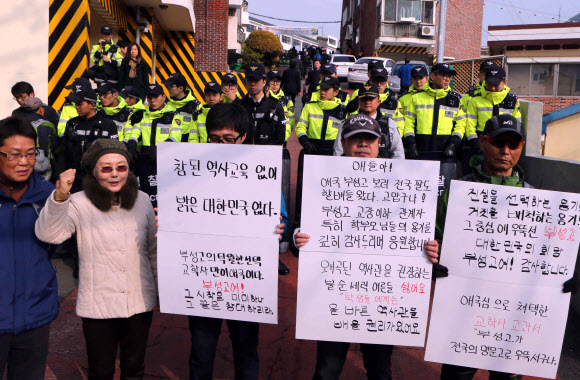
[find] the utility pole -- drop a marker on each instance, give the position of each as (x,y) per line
(441,34)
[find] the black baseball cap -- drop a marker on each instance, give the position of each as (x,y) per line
(360,124)
(368,91)
(212,86)
(130,91)
(495,75)
(229,78)
(78,81)
(106,30)
(330,82)
(442,68)
(328,68)
(175,79)
(255,71)
(274,74)
(419,71)
(504,123)
(82,92)
(379,74)
(486,65)
(375,64)
(105,87)
(154,89)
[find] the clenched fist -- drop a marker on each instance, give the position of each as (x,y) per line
(64,184)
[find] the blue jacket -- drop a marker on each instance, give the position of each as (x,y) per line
(28,288)
(405,74)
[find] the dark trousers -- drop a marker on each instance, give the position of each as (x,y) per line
(330,358)
(204,338)
(24,354)
(103,336)
(455,372)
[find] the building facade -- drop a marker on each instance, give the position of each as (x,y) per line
(542,61)
(408,28)
(55,49)
(287,41)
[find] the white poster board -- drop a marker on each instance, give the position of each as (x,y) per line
(508,250)
(217,244)
(363,277)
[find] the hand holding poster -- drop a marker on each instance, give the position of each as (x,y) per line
(508,250)
(217,246)
(363,277)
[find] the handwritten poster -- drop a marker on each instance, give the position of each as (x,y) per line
(363,277)
(217,244)
(508,250)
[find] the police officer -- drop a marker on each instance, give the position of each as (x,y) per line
(389,102)
(106,57)
(158,122)
(230,88)
(213,95)
(81,131)
(182,100)
(486,65)
(266,114)
(391,144)
(431,115)
(114,107)
(327,70)
(275,92)
(493,99)
(132,98)
(69,109)
(419,78)
(373,64)
(320,120)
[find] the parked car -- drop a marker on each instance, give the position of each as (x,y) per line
(342,63)
(358,73)
(395,81)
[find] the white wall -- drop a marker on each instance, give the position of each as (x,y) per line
(24,54)
(233,32)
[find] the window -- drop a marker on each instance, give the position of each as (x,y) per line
(569,79)
(519,79)
(542,82)
(285,39)
(232,12)
(331,41)
(251,28)
(343,58)
(534,79)
(422,11)
(295,42)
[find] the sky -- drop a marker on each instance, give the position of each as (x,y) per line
(514,12)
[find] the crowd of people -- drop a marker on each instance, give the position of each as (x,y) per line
(87,176)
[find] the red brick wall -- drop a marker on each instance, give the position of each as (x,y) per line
(553,103)
(463,33)
(211,37)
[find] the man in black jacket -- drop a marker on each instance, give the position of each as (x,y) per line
(82,131)
(266,114)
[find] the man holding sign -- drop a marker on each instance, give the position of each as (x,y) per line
(360,138)
(501,143)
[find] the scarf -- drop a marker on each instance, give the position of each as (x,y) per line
(133,64)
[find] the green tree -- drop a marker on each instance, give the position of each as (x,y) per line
(266,44)
(250,56)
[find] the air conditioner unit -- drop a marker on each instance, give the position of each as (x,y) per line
(427,30)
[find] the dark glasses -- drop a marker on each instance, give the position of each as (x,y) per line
(500,142)
(109,169)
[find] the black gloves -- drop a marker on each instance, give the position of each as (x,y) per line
(308,146)
(474,145)
(451,149)
(411,151)
(572,285)
(132,148)
(440,270)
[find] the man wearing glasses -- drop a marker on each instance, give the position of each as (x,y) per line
(227,124)
(501,142)
(182,100)
(24,90)
(431,116)
(81,131)
(29,300)
(114,106)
